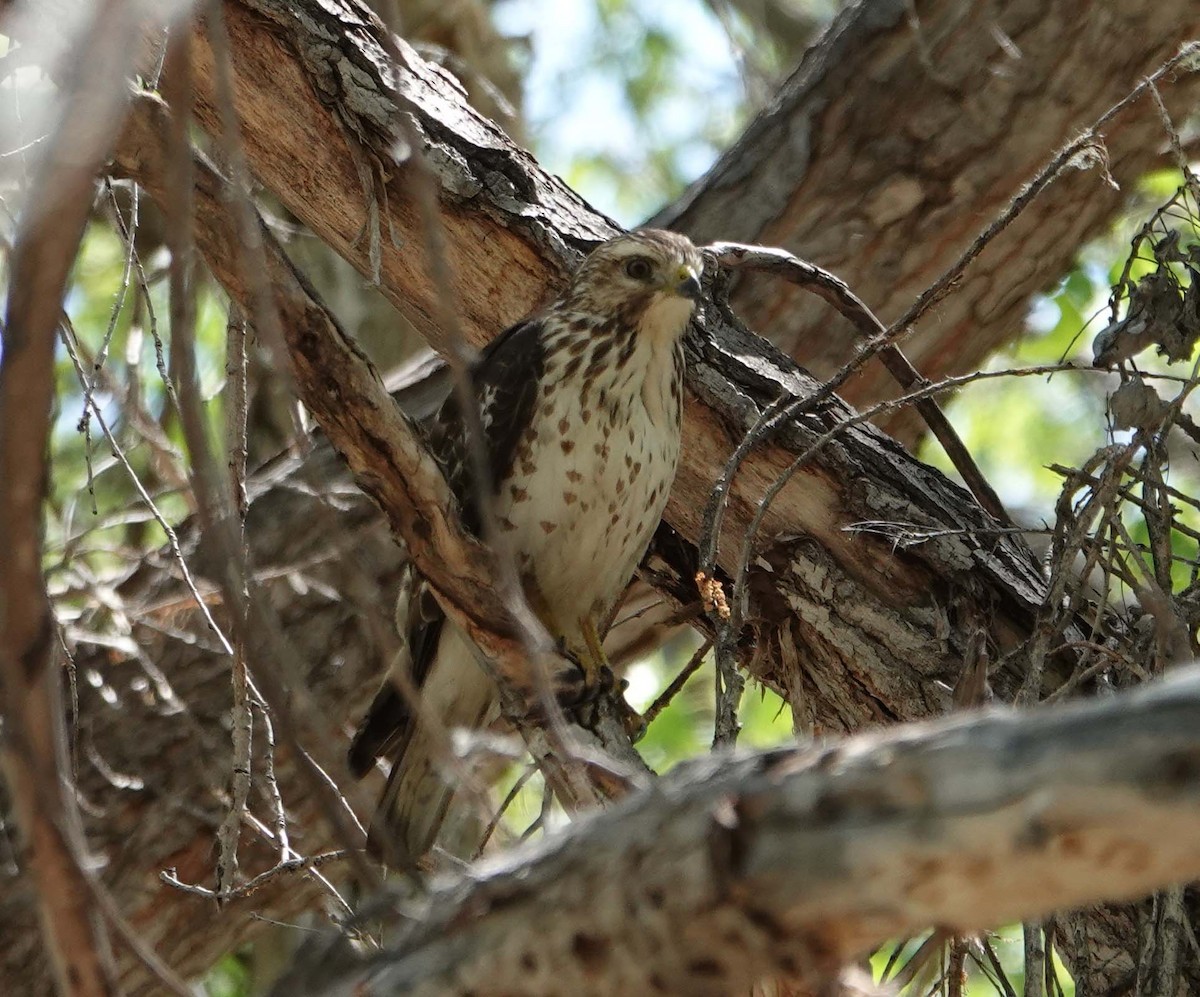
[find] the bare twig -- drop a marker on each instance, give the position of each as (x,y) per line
(509,797)
(917,966)
(241,717)
(252,886)
(677,683)
(1035,957)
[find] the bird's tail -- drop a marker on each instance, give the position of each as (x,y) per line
(425,794)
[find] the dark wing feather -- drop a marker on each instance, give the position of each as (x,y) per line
(505,378)
(385,726)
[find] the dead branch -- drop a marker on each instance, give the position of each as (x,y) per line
(798,861)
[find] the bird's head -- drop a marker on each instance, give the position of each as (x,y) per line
(648,277)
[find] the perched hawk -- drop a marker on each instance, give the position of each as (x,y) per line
(580,407)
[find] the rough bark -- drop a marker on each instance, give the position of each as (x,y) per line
(862,630)
(896,140)
(796,861)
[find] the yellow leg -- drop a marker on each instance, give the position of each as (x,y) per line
(594,664)
(596,660)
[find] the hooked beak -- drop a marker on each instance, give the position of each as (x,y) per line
(688,284)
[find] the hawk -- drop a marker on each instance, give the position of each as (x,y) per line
(580,407)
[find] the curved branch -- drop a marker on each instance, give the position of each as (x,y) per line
(888,149)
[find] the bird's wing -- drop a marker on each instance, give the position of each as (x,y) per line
(385,727)
(506,379)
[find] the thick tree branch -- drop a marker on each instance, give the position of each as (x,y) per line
(903,132)
(796,861)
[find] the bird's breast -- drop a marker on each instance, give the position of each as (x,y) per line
(591,479)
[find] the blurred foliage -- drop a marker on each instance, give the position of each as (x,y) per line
(99,526)
(630,102)
(1018,427)
(228,978)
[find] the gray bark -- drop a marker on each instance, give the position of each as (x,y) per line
(899,137)
(795,861)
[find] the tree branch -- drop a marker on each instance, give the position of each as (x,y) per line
(797,861)
(886,152)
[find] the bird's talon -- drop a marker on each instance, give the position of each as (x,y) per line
(633,722)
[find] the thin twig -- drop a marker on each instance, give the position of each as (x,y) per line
(494,822)
(241,717)
(252,886)
(677,684)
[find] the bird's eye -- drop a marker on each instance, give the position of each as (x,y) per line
(639,268)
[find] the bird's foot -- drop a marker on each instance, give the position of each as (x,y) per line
(580,683)
(600,676)
(589,681)
(595,663)
(633,722)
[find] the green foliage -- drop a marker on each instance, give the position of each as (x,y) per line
(1017,427)
(114,341)
(228,978)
